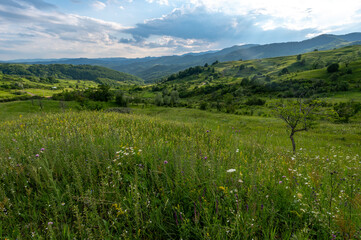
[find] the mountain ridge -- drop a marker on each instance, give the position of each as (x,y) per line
(152,69)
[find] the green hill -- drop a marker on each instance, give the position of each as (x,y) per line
(64,71)
(289,76)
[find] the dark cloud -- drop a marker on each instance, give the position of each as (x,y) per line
(213,27)
(197,24)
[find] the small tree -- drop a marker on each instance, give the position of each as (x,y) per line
(158,100)
(333,68)
(174,95)
(121,99)
(297,115)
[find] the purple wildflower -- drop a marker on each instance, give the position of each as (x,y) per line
(37,155)
(165,162)
(50,223)
(280,182)
(42,149)
(176,218)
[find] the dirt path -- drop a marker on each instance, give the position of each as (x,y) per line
(31,94)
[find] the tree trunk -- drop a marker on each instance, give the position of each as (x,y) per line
(293,142)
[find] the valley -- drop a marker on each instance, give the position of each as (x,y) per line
(201,153)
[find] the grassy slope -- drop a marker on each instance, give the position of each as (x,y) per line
(178,185)
(38,88)
(230,72)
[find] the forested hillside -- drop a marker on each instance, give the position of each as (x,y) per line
(63,71)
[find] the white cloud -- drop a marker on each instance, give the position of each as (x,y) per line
(194,25)
(99,5)
(160,2)
(291,14)
(54,34)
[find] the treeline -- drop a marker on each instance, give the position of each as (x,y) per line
(67,71)
(192,71)
(286,89)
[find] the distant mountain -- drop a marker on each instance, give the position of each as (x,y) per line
(152,69)
(63,71)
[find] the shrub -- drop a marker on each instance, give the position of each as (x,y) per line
(334,67)
(255,102)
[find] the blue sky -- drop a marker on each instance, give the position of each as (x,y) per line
(139,28)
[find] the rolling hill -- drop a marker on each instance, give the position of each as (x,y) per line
(289,76)
(152,69)
(63,71)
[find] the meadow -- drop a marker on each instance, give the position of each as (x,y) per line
(175,173)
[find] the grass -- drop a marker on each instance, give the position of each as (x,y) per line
(164,173)
(12,110)
(6,94)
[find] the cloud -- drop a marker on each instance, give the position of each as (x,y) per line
(38,4)
(36,28)
(160,2)
(99,5)
(210,27)
(291,14)
(30,30)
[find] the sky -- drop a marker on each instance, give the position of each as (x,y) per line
(33,29)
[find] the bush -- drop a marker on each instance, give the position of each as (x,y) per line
(255,102)
(346,110)
(284,71)
(122,100)
(203,106)
(334,67)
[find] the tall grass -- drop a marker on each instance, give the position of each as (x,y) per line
(100,175)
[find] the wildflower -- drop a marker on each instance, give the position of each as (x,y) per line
(280,182)
(205,158)
(237,150)
(37,155)
(283,176)
(165,162)
(299,195)
(222,188)
(240,180)
(62,204)
(231,170)
(42,149)
(50,223)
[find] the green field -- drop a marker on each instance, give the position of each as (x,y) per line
(201,155)
(174,173)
